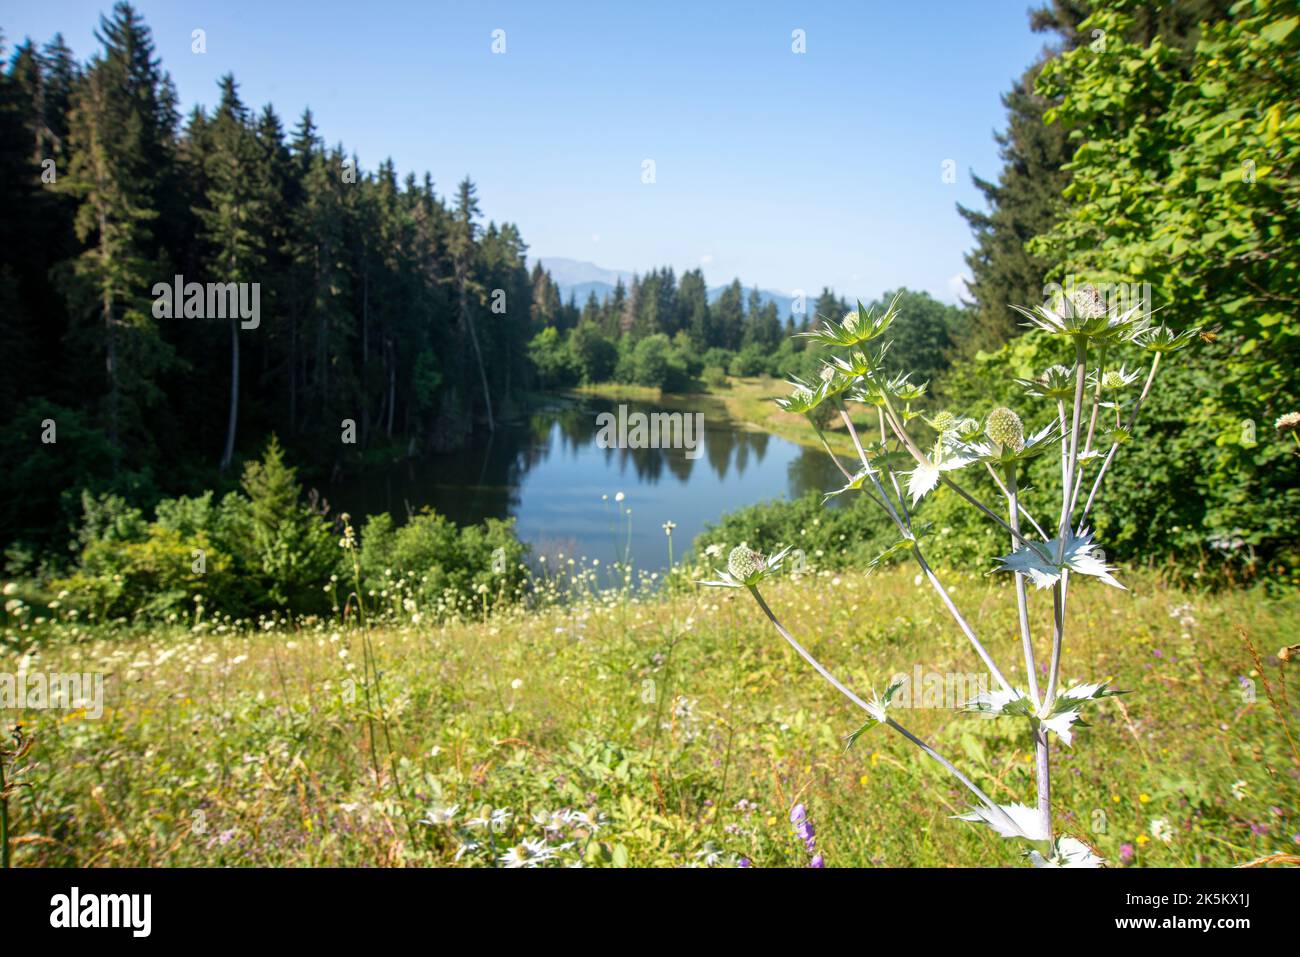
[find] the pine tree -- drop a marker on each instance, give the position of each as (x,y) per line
(120,135)
(464,250)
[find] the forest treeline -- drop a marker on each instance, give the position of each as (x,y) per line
(391,319)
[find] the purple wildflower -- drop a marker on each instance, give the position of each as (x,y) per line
(817,861)
(1126,852)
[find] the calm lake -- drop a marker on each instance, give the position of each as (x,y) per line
(548,472)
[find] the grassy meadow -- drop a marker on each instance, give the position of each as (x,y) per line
(672,730)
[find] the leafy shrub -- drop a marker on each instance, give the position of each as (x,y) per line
(440,566)
(715,377)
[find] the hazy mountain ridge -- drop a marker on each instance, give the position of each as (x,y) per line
(579,279)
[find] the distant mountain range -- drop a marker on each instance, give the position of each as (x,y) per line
(580,279)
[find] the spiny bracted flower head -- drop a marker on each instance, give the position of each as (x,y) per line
(1112,380)
(854,328)
(1289,422)
(746,567)
(1056,382)
(861,362)
(803,397)
(1084,314)
(943,422)
(1163,339)
(1005,428)
(744,563)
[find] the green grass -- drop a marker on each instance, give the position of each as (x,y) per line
(655,719)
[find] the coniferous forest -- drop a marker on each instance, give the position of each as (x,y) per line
(389,309)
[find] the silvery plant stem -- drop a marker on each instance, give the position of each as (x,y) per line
(1110,455)
(827,446)
(994,670)
(1080,380)
(1092,429)
(1015,532)
(1043,768)
(871,472)
(1022,598)
(1020,506)
(893,479)
(839,686)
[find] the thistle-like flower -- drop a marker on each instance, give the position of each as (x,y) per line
(746,567)
(1057,382)
(1163,339)
(744,563)
(1289,422)
(1005,428)
(1112,380)
(943,422)
(803,398)
(1084,315)
(854,328)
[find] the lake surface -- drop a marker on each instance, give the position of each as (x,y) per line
(547,470)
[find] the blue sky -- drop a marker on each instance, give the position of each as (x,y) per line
(788,170)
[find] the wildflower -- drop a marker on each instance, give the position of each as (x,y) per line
(943,422)
(619,496)
(1114,379)
(744,563)
(1005,428)
(529,853)
(747,567)
(1083,314)
(1057,382)
(1161,830)
(817,861)
(1126,852)
(1285,423)
(1163,339)
(668,528)
(854,328)
(516,684)
(1144,797)
(1239,790)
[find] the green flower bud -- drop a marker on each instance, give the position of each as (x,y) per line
(945,421)
(1005,428)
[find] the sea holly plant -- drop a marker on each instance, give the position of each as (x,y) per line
(1084,412)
